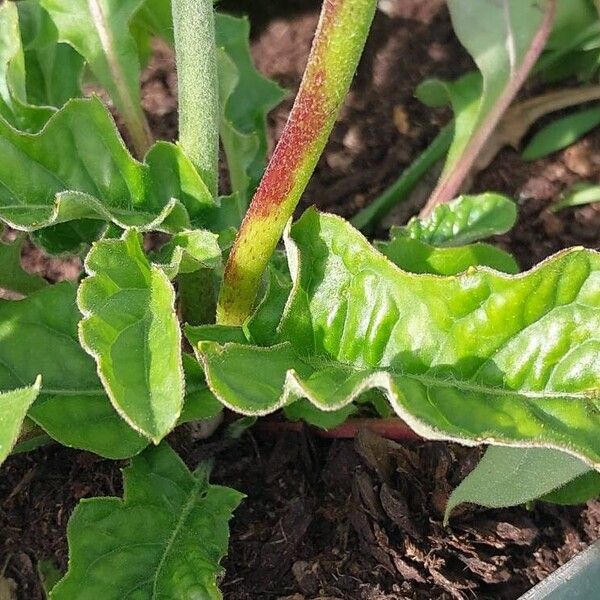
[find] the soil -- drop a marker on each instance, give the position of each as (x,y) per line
(356,519)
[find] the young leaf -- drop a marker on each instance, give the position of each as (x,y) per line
(13,95)
(12,275)
(462,221)
(561,133)
(99,31)
(13,409)
(164,539)
(476,358)
(189,251)
(510,476)
(78,168)
(131,329)
(53,70)
(505,40)
(38,335)
(415,256)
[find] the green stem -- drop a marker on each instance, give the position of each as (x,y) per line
(371,215)
(198,89)
(339,41)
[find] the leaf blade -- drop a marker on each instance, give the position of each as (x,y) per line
(129,307)
(167,535)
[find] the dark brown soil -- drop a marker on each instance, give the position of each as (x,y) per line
(344,520)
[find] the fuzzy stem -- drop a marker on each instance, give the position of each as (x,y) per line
(339,41)
(198,86)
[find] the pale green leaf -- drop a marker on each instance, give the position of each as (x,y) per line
(12,275)
(77,169)
(510,476)
(99,31)
(131,329)
(38,335)
(477,358)
(13,409)
(164,539)
(462,221)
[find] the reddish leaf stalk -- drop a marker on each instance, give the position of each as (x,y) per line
(339,41)
(450,183)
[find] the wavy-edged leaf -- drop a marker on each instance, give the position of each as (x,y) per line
(13,409)
(464,220)
(511,476)
(53,70)
(38,335)
(130,327)
(481,357)
(416,256)
(99,31)
(164,539)
(12,275)
(78,168)
(246,98)
(561,132)
(13,93)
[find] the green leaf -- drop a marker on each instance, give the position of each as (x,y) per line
(561,133)
(580,490)
(510,476)
(462,221)
(13,95)
(53,70)
(78,168)
(578,195)
(165,539)
(481,357)
(12,275)
(246,98)
(99,31)
(38,335)
(505,40)
(130,327)
(13,409)
(415,256)
(189,251)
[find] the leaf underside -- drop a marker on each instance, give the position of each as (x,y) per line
(475,358)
